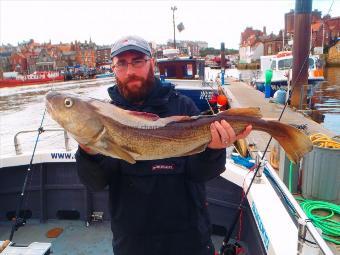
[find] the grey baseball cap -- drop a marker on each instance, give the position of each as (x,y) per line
(130,43)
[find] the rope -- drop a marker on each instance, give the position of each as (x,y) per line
(324,141)
(330,228)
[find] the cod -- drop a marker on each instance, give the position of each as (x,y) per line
(131,136)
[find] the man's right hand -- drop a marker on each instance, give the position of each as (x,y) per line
(87,149)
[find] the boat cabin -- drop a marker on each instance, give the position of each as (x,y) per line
(181,68)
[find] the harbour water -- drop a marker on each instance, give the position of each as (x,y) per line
(22,108)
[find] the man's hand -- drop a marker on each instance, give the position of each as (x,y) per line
(87,149)
(223,135)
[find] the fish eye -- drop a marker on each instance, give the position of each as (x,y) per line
(68,102)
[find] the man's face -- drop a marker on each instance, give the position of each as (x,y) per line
(134,74)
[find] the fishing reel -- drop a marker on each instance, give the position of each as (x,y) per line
(231,249)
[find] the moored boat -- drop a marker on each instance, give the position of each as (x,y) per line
(281,65)
(104,75)
(31,79)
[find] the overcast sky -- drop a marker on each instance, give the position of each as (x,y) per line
(106,21)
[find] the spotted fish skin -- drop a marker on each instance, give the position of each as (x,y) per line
(131,136)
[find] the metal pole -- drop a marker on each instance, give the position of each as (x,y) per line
(301,49)
(173,20)
(222,63)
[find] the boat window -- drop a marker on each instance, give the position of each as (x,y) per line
(189,70)
(170,72)
(285,64)
(311,63)
(273,65)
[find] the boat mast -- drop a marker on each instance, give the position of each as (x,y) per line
(174,8)
(302,29)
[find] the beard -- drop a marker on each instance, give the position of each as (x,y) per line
(139,94)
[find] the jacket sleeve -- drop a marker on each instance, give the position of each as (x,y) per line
(96,171)
(208,164)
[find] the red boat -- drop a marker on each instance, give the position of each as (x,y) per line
(31,79)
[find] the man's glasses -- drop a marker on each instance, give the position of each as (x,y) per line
(138,63)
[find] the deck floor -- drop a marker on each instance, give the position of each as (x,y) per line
(76,238)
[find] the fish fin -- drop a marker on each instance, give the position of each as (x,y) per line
(144,115)
(251,111)
(113,150)
(196,150)
(293,141)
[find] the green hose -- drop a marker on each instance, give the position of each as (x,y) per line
(330,228)
(290,176)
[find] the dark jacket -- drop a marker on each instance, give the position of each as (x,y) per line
(158,206)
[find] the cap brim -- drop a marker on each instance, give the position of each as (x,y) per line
(130,47)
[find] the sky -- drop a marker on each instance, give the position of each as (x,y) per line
(106,21)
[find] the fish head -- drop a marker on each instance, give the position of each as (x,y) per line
(75,114)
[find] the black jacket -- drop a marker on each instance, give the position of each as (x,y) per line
(159,206)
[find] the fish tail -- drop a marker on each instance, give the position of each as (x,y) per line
(294,142)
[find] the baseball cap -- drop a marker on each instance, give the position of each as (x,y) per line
(130,43)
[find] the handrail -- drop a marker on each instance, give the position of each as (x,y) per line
(17,146)
(302,217)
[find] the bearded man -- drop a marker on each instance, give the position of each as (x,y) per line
(158,206)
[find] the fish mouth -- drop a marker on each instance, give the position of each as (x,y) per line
(49,99)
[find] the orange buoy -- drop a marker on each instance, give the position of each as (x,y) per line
(222,100)
(54,232)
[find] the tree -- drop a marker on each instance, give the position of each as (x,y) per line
(212,51)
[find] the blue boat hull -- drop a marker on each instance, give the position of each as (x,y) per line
(200,95)
(276,85)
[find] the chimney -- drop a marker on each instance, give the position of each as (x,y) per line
(264,30)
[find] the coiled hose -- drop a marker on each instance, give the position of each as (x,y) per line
(330,228)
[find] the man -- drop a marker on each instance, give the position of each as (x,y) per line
(159,206)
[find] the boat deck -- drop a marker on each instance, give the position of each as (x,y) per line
(243,95)
(76,238)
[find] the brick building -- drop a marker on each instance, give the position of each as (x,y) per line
(103,56)
(85,53)
(18,62)
(325,30)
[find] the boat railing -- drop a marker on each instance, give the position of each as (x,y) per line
(304,223)
(17,146)
(207,84)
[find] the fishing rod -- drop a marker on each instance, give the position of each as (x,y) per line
(241,204)
(18,221)
(236,218)
(21,221)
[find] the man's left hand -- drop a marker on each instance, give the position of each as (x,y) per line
(223,135)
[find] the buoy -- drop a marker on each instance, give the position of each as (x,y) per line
(222,100)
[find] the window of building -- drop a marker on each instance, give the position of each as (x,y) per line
(269,49)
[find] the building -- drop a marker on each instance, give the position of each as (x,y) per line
(191,48)
(44,61)
(5,64)
(103,56)
(333,58)
(18,62)
(251,45)
(273,44)
(85,53)
(324,30)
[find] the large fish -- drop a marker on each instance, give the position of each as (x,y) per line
(131,136)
